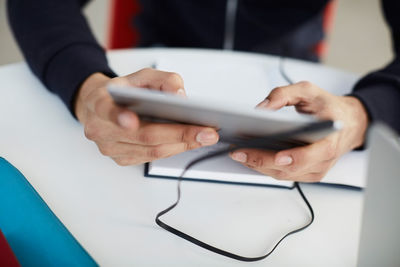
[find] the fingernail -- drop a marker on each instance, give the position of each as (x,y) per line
(263,104)
(125,120)
(239,156)
(207,137)
(284,160)
(181,92)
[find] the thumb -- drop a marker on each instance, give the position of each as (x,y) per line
(106,109)
(290,95)
(172,83)
(159,80)
(128,120)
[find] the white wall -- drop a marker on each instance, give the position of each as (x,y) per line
(360,41)
(96,11)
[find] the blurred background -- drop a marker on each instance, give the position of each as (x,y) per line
(359,42)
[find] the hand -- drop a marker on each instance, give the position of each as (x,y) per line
(309,163)
(121,135)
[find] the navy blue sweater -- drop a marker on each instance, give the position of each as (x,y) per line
(61,51)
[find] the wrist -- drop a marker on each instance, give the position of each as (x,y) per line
(360,120)
(93,82)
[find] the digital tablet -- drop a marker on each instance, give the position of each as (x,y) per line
(232,121)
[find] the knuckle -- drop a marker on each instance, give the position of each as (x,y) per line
(121,161)
(278,91)
(300,156)
(91,131)
(125,161)
(155,152)
(147,138)
(144,70)
(188,135)
(190,146)
(325,166)
(331,151)
(281,175)
(106,150)
(186,146)
(185,134)
(305,84)
(174,78)
(260,162)
(317,177)
(99,105)
(256,162)
(294,168)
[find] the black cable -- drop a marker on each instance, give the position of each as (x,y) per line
(270,143)
(212,248)
(283,72)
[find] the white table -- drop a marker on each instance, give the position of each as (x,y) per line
(111,209)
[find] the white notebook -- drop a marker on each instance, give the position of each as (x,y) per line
(225,79)
(348,171)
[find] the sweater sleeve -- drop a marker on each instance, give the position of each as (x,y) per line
(57,44)
(379,91)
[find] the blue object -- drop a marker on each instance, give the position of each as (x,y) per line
(36,236)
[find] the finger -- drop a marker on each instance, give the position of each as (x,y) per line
(317,157)
(165,133)
(137,154)
(149,133)
(312,177)
(104,107)
(263,104)
(129,161)
(309,176)
(301,159)
(314,174)
(159,80)
(255,158)
(290,95)
(121,149)
(261,161)
(323,166)
(264,162)
(99,130)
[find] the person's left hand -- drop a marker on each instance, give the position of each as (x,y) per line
(309,163)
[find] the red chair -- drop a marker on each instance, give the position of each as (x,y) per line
(121,33)
(329,16)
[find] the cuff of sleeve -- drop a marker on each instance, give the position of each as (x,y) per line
(381,102)
(69,68)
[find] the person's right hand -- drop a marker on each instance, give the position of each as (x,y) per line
(121,135)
